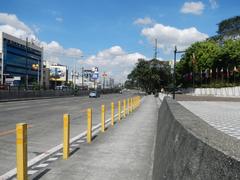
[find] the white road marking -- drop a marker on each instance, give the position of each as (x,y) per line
(52,159)
(30,172)
(42,165)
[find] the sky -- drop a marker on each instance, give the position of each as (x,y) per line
(113,34)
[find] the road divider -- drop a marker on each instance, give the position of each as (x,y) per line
(22,166)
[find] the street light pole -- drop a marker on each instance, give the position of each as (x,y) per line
(174,69)
(82,78)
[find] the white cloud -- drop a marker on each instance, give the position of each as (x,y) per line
(114,61)
(192,8)
(53,51)
(12,20)
(213,3)
(169,36)
(59,19)
(144,21)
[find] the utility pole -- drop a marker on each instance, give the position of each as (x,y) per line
(155,50)
(74,82)
(82,77)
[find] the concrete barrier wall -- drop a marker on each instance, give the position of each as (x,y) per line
(223,92)
(187,148)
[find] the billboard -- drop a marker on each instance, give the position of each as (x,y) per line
(95,74)
(92,74)
(58,73)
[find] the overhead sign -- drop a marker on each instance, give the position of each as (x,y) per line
(58,73)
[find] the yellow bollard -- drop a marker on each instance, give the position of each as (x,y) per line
(66,133)
(131,105)
(138,101)
(21,151)
(89,125)
(128,107)
(124,108)
(103,119)
(119,111)
(112,114)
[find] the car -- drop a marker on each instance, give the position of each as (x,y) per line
(62,87)
(94,94)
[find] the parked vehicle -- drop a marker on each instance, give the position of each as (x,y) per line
(62,87)
(94,94)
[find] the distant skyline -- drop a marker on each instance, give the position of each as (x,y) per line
(113,34)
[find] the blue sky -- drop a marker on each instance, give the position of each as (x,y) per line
(112,34)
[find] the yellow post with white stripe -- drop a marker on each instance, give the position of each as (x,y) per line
(124,108)
(103,119)
(112,114)
(66,133)
(21,151)
(119,111)
(89,125)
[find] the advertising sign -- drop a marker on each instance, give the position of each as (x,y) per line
(87,73)
(95,73)
(58,73)
(91,74)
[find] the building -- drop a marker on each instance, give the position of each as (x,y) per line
(19,59)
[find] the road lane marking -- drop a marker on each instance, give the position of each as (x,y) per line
(16,108)
(12,131)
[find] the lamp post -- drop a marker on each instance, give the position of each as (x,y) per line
(174,69)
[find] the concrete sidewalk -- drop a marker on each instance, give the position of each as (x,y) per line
(122,152)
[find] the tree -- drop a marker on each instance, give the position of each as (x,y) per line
(150,75)
(199,57)
(228,29)
(230,53)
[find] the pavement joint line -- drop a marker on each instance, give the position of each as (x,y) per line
(96,129)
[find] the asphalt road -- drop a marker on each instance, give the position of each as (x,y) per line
(44,118)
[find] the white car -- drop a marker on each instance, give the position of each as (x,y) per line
(94,94)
